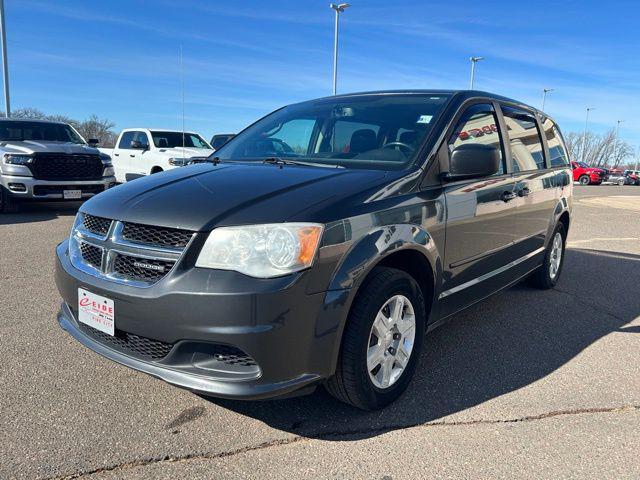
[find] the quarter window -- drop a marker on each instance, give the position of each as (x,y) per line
(524,139)
(478,124)
(557,149)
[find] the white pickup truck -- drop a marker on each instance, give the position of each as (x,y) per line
(142,151)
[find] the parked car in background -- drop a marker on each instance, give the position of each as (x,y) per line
(587,175)
(142,151)
(219,139)
(622,177)
(44,160)
(635,174)
(324,243)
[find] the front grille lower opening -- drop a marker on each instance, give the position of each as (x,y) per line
(131,344)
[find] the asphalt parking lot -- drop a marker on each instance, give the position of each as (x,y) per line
(526,384)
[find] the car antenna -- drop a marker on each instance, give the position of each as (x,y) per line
(182,88)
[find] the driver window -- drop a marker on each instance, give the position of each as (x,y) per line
(478,124)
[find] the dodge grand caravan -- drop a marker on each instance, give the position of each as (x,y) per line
(320,244)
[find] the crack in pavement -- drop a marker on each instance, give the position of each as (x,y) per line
(586,302)
(341,435)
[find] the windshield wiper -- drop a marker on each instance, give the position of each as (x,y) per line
(288,161)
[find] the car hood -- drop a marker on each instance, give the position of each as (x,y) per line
(32,146)
(200,197)
(186,152)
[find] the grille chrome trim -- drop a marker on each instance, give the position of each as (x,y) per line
(114,245)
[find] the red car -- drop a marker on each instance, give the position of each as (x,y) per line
(587,175)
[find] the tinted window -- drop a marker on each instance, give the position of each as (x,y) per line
(557,149)
(178,139)
(219,140)
(478,124)
(142,138)
(39,131)
(524,139)
(351,131)
(126,139)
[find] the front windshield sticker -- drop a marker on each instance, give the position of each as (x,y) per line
(424,118)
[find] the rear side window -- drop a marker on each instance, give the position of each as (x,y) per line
(524,139)
(478,124)
(126,139)
(558,156)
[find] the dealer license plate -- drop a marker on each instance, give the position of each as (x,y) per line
(96,311)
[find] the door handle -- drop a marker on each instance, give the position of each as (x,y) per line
(524,192)
(507,196)
(116,154)
(132,156)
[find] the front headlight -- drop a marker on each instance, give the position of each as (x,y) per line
(262,251)
(178,162)
(108,171)
(17,159)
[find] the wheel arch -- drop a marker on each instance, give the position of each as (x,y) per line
(406,247)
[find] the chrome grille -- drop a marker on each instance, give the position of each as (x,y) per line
(98,246)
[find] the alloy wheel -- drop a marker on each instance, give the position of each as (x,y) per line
(391,341)
(556,256)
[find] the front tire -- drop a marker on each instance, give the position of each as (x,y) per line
(381,342)
(584,180)
(621,182)
(547,275)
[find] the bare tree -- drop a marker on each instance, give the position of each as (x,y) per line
(599,150)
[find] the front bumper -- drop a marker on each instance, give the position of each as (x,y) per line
(291,335)
(32,189)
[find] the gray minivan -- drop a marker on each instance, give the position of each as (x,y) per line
(319,245)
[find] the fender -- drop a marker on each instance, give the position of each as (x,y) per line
(358,261)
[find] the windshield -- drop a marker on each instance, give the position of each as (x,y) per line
(582,164)
(19,131)
(174,139)
(367,131)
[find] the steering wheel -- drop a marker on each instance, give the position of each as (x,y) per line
(401,146)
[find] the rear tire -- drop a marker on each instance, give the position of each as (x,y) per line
(7,203)
(547,275)
(397,297)
(584,180)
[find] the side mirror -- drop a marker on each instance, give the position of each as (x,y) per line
(474,160)
(138,145)
(93,142)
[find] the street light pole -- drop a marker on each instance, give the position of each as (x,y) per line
(615,141)
(584,135)
(473,60)
(544,96)
(5,65)
(339,9)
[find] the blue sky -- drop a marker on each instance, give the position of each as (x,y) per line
(120,59)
